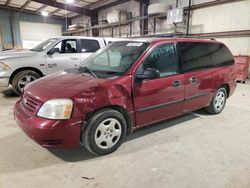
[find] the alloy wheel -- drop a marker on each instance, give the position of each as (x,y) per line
(219,100)
(108,133)
(23,81)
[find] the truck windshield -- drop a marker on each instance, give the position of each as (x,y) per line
(42,46)
(113,60)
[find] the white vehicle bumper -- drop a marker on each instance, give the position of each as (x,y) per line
(4,81)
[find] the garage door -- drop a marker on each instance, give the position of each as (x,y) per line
(33,33)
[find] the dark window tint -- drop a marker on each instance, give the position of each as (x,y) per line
(194,56)
(163,58)
(89,46)
(220,54)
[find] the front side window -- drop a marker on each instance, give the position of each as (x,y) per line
(66,46)
(163,58)
(194,56)
(89,46)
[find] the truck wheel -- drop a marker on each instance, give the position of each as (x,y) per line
(218,101)
(22,78)
(105,132)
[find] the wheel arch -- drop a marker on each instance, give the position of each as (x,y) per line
(118,108)
(22,69)
(227,87)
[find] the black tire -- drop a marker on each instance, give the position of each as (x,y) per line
(90,131)
(21,75)
(212,109)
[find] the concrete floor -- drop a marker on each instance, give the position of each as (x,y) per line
(194,150)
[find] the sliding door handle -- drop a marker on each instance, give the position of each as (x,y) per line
(193,80)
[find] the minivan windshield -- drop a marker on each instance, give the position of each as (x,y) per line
(113,60)
(42,46)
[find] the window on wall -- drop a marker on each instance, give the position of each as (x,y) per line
(163,58)
(89,46)
(194,56)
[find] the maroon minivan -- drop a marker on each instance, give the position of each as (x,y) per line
(125,86)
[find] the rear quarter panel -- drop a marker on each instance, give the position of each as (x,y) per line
(225,75)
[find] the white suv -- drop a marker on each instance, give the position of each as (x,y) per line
(19,67)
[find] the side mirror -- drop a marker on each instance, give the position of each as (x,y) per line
(53,50)
(148,73)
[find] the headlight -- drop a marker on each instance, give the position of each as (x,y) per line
(4,67)
(56,109)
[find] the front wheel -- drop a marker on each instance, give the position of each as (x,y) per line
(22,78)
(105,132)
(218,102)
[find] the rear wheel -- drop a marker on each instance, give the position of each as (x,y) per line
(22,78)
(218,102)
(105,132)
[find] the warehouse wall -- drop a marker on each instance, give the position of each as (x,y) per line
(131,6)
(228,17)
(233,16)
(82,21)
(16,17)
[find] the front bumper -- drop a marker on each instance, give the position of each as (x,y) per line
(48,133)
(4,81)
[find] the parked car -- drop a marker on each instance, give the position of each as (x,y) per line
(125,86)
(19,67)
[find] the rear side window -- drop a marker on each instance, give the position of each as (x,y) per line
(89,46)
(194,56)
(220,55)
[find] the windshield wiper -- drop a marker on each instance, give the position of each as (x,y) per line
(90,71)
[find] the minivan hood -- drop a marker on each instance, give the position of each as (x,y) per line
(9,54)
(61,85)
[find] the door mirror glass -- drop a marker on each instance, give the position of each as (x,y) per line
(148,73)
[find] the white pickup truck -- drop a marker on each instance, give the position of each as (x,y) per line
(19,67)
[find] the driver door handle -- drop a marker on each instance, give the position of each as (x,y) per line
(74,58)
(176,83)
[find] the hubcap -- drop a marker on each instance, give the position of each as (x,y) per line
(108,133)
(25,80)
(219,100)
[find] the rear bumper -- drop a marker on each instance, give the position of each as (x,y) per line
(4,81)
(49,133)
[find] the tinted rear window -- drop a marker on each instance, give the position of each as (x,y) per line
(200,55)
(220,55)
(89,46)
(194,56)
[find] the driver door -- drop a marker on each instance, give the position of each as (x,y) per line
(162,98)
(65,55)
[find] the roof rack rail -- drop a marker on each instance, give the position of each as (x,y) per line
(171,35)
(168,35)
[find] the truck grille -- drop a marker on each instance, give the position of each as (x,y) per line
(31,104)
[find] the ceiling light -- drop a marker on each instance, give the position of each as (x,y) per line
(70,1)
(44,13)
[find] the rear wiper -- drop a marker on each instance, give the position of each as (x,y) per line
(90,71)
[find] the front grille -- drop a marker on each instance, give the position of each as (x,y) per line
(30,103)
